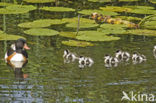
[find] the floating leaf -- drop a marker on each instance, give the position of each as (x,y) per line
(5,4)
(89,12)
(41,32)
(39,1)
(83,23)
(68,34)
(17,9)
(77,43)
(129,18)
(128,0)
(100,0)
(95,36)
(150,25)
(145,32)
(41,23)
(112,28)
(58,9)
(4,36)
(116,9)
(152,1)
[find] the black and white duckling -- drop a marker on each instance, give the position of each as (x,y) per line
(107,59)
(113,60)
(89,61)
(69,56)
(17,51)
(138,58)
(125,56)
(154,51)
(118,55)
(82,61)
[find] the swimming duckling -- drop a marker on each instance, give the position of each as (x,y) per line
(113,60)
(68,56)
(125,56)
(89,61)
(81,61)
(107,59)
(138,58)
(154,51)
(118,55)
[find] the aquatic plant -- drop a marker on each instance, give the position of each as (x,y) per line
(39,1)
(4,36)
(17,9)
(95,36)
(116,9)
(41,23)
(145,32)
(100,1)
(41,32)
(58,9)
(103,12)
(77,43)
(5,4)
(68,34)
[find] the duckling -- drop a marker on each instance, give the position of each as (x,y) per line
(118,55)
(89,61)
(107,59)
(113,60)
(81,61)
(68,56)
(125,56)
(138,58)
(154,51)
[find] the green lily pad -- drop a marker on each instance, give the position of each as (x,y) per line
(4,36)
(17,9)
(127,0)
(5,4)
(95,36)
(103,12)
(77,43)
(75,20)
(83,23)
(100,1)
(39,1)
(142,10)
(41,23)
(112,28)
(150,25)
(129,18)
(145,32)
(68,34)
(41,32)
(152,1)
(116,9)
(58,9)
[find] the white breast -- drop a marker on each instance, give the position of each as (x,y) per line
(17,57)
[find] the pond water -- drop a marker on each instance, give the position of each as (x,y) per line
(47,79)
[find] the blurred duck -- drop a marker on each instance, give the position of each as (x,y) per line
(107,59)
(122,55)
(118,55)
(82,61)
(68,56)
(17,51)
(138,58)
(154,51)
(110,61)
(125,56)
(89,61)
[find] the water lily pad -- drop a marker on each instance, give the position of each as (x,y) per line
(4,36)
(95,36)
(150,25)
(77,43)
(100,0)
(116,9)
(129,18)
(103,12)
(41,23)
(128,0)
(68,34)
(39,1)
(58,9)
(112,28)
(5,4)
(82,25)
(152,1)
(142,9)
(41,32)
(17,9)
(145,32)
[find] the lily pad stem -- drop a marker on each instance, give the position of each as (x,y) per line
(78,24)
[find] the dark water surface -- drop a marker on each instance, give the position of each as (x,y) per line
(46,79)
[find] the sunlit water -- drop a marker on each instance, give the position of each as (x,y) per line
(47,79)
